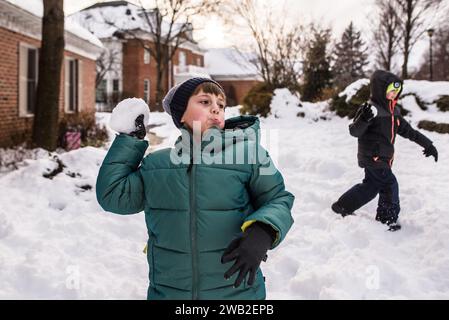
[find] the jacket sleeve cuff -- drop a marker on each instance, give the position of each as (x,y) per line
(268,227)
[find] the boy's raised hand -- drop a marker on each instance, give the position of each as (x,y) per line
(248,251)
(431,151)
(140,131)
(130,117)
(367,112)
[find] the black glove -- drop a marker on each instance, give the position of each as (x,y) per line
(140,131)
(367,113)
(431,151)
(249,249)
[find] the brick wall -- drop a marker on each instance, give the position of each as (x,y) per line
(15,129)
(135,71)
(236,90)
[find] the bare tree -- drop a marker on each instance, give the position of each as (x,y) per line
(45,126)
(440,57)
(286,56)
(278,46)
(412,16)
(246,9)
(169,25)
(106,62)
(385,34)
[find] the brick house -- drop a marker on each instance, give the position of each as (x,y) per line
(20,34)
(132,71)
(234,71)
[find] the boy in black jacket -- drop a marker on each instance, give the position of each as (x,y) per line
(375,125)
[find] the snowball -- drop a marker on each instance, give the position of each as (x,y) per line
(374,110)
(125,113)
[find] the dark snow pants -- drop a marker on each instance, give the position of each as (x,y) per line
(377,181)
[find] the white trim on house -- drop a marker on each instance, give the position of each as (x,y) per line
(23,78)
(146,56)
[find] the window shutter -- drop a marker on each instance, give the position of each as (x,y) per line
(23,69)
(80,85)
(66,84)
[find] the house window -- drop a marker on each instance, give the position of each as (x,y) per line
(116,91)
(28,70)
(101,92)
(198,62)
(72,85)
(146,56)
(182,59)
(146,90)
(115,86)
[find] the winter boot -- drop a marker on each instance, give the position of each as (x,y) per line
(337,208)
(388,214)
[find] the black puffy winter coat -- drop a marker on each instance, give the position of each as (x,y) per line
(376,138)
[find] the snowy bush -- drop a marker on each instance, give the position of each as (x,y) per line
(258,100)
(284,104)
(92,134)
(14,158)
(434,126)
(346,103)
(443,103)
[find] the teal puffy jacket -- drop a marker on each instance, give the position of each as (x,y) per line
(194,209)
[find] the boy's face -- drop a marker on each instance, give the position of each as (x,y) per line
(393,90)
(392,95)
(205,108)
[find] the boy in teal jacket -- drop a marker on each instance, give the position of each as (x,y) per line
(212,213)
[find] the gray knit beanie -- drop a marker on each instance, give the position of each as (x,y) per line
(175,101)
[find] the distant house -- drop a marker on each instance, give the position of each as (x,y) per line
(122,28)
(20,40)
(234,70)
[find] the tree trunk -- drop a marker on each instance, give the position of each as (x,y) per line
(45,128)
(407,37)
(159,90)
(405,65)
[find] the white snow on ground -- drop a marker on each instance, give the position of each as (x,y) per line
(328,257)
(56,242)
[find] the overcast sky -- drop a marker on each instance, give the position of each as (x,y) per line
(338,13)
(328,13)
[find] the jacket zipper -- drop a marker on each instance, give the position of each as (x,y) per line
(193,245)
(392,121)
(392,105)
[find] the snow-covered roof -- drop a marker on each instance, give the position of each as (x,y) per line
(36,8)
(104,19)
(229,63)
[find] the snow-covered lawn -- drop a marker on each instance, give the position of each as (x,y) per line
(56,241)
(329,257)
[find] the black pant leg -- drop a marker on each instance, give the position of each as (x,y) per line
(360,194)
(388,205)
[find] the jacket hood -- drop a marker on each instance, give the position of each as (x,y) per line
(237,129)
(379,84)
